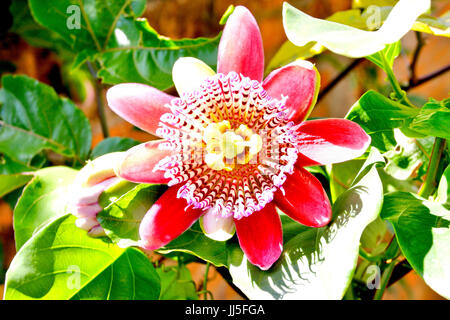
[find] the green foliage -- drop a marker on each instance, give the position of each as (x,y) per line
(194,242)
(113,144)
(176,284)
(11,182)
(42,200)
(385,58)
(125,205)
(378,116)
(63,262)
(433,119)
(35,118)
(125,47)
(422,229)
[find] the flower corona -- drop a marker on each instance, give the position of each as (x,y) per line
(233,145)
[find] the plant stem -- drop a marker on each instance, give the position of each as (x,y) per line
(430,180)
(338,78)
(400,94)
(415,58)
(98,97)
(387,273)
(426,78)
(205,281)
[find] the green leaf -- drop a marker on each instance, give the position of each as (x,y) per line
(317,263)
(63,262)
(28,29)
(176,283)
(433,119)
(125,205)
(11,182)
(194,241)
(422,229)
(126,48)
(113,144)
(42,200)
(386,56)
(36,119)
(443,191)
(97,19)
(301,29)
(342,175)
(137,53)
(378,116)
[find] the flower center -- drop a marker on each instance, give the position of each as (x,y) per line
(227,148)
(232,145)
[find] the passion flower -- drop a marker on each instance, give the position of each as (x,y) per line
(234,146)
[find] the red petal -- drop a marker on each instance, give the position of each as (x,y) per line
(166,220)
(240,48)
(139,104)
(327,141)
(304,200)
(300,82)
(139,162)
(261,236)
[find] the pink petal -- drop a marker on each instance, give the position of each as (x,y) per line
(304,200)
(240,48)
(327,141)
(299,82)
(139,104)
(139,162)
(166,220)
(261,236)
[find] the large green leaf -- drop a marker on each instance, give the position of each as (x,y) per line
(378,116)
(422,229)
(31,31)
(97,19)
(42,200)
(433,119)
(34,119)
(137,53)
(317,263)
(63,262)
(126,48)
(301,29)
(125,205)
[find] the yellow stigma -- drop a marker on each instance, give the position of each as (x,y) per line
(226,147)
